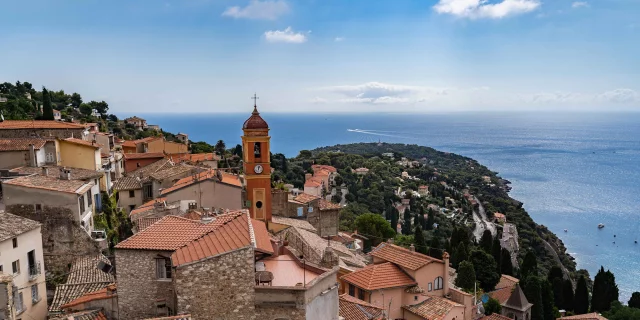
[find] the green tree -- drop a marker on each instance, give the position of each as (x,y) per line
(238,151)
(305,154)
(406,223)
(529,265)
(533,292)
(47,109)
(496,250)
(459,255)
(86,109)
(374,226)
(548,306)
(567,295)
(466,278)
(485,268)
(435,247)
(76,100)
(102,107)
(431,219)
(605,291)
(420,242)
(634,302)
(558,292)
(620,312)
(506,267)
(554,272)
(581,298)
(486,241)
(492,306)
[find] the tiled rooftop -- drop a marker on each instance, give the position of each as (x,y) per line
(141,224)
(502,294)
(238,232)
(147,155)
(82,315)
(85,270)
(507,281)
(323,167)
(299,223)
(305,198)
(287,272)
(588,316)
(69,292)
(379,276)
(495,316)
(107,292)
(195,157)
(147,206)
(52,184)
(54,172)
(328,205)
(12,225)
(227,178)
(172,171)
(401,256)
(38,124)
(21,144)
(351,308)
(82,142)
(134,179)
(433,308)
(318,244)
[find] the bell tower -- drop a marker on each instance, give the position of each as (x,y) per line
(257,164)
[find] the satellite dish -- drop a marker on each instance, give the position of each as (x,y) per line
(106,268)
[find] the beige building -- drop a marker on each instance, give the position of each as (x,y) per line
(22,257)
(210,189)
(323,215)
(41,129)
(35,152)
(137,122)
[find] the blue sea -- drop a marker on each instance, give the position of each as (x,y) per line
(572,171)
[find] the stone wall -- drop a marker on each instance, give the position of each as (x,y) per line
(274,312)
(218,288)
(325,221)
(63,239)
(279,201)
(138,287)
(42,133)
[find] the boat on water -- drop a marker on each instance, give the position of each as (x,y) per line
(601,225)
(565,230)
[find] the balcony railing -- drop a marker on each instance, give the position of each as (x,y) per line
(35,271)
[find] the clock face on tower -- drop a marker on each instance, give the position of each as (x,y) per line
(257,169)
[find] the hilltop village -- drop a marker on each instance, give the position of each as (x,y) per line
(95,226)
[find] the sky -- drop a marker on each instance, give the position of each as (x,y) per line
(195,56)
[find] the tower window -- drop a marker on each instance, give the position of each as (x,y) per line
(257,149)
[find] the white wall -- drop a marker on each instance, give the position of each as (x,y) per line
(30,240)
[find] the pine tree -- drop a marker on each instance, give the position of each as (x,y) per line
(547,299)
(567,295)
(394,219)
(406,224)
(486,241)
(485,268)
(431,219)
(554,272)
(466,278)
(420,242)
(604,292)
(533,292)
(435,247)
(558,293)
(581,298)
(496,250)
(529,265)
(634,302)
(47,109)
(506,267)
(460,255)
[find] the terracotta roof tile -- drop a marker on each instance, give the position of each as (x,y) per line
(21,144)
(351,308)
(147,155)
(172,232)
(52,184)
(172,172)
(107,292)
(323,167)
(379,276)
(313,182)
(69,292)
(433,308)
(588,316)
(227,178)
(507,281)
(178,317)
(299,223)
(12,225)
(255,121)
(38,124)
(195,157)
(82,142)
(147,206)
(401,256)
(239,232)
(82,315)
(495,316)
(134,179)
(85,270)
(305,198)
(54,172)
(328,205)
(144,223)
(502,294)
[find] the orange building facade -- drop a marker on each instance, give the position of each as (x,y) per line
(257,165)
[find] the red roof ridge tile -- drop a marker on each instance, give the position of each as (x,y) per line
(401,256)
(378,276)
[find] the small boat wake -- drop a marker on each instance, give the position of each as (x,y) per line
(378,133)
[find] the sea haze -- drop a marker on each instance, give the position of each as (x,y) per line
(571,171)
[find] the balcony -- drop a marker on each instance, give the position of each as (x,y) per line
(35,271)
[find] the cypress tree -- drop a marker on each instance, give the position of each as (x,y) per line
(431,219)
(558,292)
(567,295)
(506,267)
(605,291)
(554,272)
(485,268)
(435,247)
(420,242)
(394,215)
(547,299)
(581,298)
(533,293)
(486,242)
(496,252)
(406,224)
(634,302)
(529,265)
(47,109)
(466,278)
(460,255)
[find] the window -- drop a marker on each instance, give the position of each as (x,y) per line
(310,209)
(131,207)
(15,242)
(415,298)
(163,268)
(430,287)
(300,212)
(360,294)
(38,208)
(18,303)
(147,191)
(132,193)
(81,200)
(352,290)
(35,297)
(15,266)
(438,283)
(89,198)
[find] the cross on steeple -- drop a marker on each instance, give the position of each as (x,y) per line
(255,100)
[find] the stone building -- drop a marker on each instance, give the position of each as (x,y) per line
(137,122)
(517,306)
(209,189)
(34,152)
(322,214)
(41,129)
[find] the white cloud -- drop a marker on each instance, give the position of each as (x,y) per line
(579,4)
(318,100)
(384,93)
(286,35)
(339,39)
(613,97)
(478,9)
(260,10)
(620,96)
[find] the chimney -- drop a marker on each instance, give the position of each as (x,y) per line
(32,156)
(45,171)
(327,258)
(445,258)
(412,248)
(65,174)
(390,240)
(307,176)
